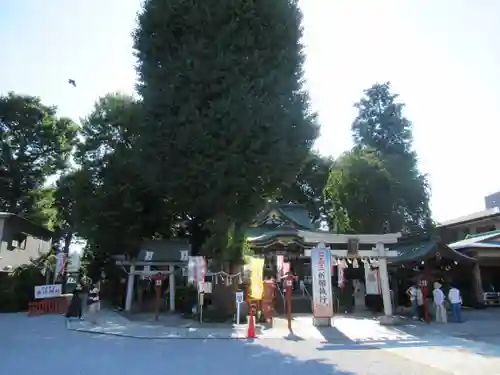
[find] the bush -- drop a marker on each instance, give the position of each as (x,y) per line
(185,298)
(17,288)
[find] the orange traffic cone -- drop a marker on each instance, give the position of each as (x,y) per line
(251,327)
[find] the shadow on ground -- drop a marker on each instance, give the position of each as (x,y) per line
(44,345)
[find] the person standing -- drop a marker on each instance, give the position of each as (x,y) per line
(439,303)
(420,304)
(456,304)
(75,306)
(93,303)
(412,293)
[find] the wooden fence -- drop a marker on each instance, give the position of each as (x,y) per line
(57,305)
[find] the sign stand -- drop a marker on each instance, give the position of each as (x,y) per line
(239,301)
(321,266)
(200,301)
(158,278)
(289,278)
(423,287)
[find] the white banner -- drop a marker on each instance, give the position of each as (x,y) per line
(196,269)
(48,291)
(321,264)
(73,265)
(372,284)
(280,260)
(60,263)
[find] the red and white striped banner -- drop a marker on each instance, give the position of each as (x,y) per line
(280,261)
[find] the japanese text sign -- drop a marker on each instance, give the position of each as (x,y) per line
(48,291)
(321,263)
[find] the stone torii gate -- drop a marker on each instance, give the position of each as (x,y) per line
(165,256)
(379,252)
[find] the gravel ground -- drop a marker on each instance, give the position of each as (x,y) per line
(43,345)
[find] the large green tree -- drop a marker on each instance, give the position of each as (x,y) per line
(377,186)
(34,144)
(307,187)
(226,117)
(106,200)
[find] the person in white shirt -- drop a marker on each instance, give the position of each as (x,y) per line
(420,304)
(93,302)
(456,304)
(412,294)
(439,303)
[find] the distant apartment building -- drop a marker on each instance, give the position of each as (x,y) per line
(492,200)
(479,222)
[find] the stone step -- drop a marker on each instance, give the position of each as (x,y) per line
(300,305)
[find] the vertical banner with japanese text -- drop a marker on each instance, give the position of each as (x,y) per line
(321,263)
(256,278)
(371,280)
(197,269)
(280,260)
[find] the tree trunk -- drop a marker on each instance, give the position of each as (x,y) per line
(68,237)
(223,295)
(198,235)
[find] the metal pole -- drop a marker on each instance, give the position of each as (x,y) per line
(158,290)
(238,313)
(289,301)
(200,301)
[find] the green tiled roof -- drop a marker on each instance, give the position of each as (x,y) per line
(426,250)
(414,251)
(262,235)
(485,234)
(488,239)
(293,216)
(298,214)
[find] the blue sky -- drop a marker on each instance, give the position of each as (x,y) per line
(443,57)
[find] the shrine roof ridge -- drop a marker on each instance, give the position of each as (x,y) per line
(335,238)
(425,250)
(297,214)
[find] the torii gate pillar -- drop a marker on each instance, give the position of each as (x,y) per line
(384,278)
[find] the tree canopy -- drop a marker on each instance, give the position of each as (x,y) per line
(226,118)
(222,124)
(377,186)
(107,200)
(35,144)
(307,187)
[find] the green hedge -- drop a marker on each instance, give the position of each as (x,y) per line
(185,298)
(17,288)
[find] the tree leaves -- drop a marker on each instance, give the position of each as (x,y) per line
(111,206)
(377,187)
(226,119)
(34,144)
(307,187)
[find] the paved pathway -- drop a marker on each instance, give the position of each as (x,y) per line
(43,345)
(419,344)
(112,323)
(430,347)
(479,326)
